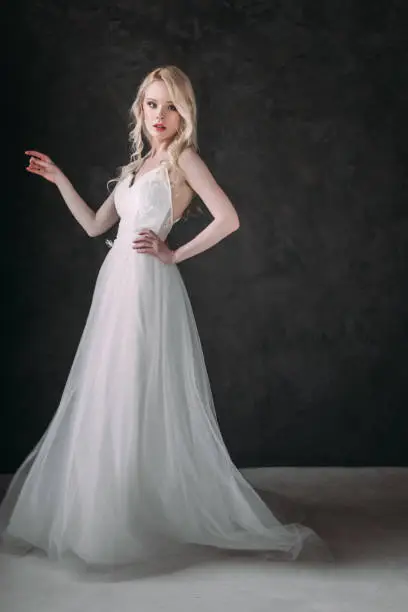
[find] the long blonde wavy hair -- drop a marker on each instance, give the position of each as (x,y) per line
(182,95)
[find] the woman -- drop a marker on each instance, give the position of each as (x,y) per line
(133,463)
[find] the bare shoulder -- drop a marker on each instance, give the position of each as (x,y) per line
(195,171)
(187,154)
(206,187)
(189,160)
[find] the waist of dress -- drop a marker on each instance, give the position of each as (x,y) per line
(126,237)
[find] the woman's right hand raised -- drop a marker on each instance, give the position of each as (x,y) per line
(42,165)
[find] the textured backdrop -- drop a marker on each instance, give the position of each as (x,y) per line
(303,311)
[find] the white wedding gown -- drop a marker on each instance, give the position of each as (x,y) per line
(133,464)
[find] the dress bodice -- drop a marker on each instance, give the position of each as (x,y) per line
(145,204)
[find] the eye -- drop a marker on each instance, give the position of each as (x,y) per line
(151,104)
(172,107)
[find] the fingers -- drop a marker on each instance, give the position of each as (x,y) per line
(147,232)
(142,243)
(146,250)
(38,162)
(147,235)
(34,170)
(144,247)
(145,244)
(38,155)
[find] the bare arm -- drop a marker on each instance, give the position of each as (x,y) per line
(225,216)
(94,223)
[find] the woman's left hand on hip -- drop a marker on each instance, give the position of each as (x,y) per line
(150,243)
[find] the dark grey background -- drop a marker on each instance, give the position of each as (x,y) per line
(303,311)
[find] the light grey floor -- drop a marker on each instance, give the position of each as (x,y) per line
(361,513)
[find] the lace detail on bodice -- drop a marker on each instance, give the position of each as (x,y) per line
(145,204)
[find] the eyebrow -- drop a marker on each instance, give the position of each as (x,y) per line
(154,100)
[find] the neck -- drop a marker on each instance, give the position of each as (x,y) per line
(158,149)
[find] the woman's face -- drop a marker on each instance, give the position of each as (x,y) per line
(161,117)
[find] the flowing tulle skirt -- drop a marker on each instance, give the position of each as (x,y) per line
(133,464)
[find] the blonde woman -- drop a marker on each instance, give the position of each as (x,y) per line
(133,464)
